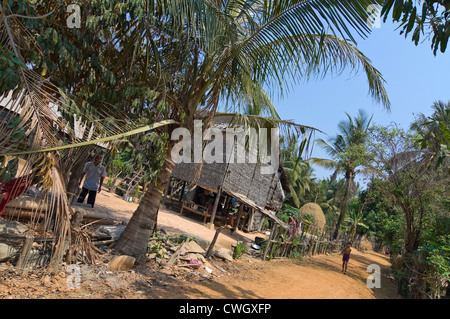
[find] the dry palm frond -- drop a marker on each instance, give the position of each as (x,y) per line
(81,248)
(37,121)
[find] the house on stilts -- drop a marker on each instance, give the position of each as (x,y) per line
(229,192)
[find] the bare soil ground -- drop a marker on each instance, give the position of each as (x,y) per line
(318,277)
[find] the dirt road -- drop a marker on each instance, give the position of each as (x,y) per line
(318,277)
(314,278)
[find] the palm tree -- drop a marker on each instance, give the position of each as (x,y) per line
(298,172)
(435,131)
(205,53)
(354,219)
(348,153)
(187,58)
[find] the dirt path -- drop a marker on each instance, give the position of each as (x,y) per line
(314,278)
(170,221)
(318,277)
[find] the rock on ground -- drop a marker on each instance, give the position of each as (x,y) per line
(121,262)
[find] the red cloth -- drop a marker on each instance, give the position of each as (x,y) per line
(13,189)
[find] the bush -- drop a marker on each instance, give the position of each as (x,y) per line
(239,250)
(437,265)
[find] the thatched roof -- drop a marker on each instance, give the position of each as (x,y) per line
(314,210)
(246,179)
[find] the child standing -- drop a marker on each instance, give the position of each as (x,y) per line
(346,257)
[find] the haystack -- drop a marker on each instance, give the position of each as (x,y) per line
(314,210)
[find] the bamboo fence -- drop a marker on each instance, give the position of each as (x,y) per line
(308,241)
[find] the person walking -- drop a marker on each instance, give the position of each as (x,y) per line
(95,173)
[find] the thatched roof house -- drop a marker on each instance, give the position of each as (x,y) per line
(243,181)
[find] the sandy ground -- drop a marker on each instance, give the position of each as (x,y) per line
(171,221)
(318,277)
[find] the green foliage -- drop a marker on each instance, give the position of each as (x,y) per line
(157,244)
(239,250)
(9,75)
(298,172)
(143,152)
(421,18)
(288,211)
(8,169)
(434,133)
(384,223)
(157,248)
(308,219)
(437,264)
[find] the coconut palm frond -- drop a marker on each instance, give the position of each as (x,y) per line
(326,163)
(276,42)
(38,119)
(273,45)
(249,98)
(31,121)
(96,141)
(330,147)
(286,128)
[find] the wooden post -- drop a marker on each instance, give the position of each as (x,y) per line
(211,246)
(269,241)
(261,223)
(239,215)
(250,218)
(216,203)
(182,192)
(166,192)
(25,253)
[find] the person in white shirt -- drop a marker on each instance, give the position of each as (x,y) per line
(95,173)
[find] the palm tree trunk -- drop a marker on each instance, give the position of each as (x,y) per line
(353,232)
(135,237)
(349,176)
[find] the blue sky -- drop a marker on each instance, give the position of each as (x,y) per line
(415,78)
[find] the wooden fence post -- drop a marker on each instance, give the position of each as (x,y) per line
(269,241)
(211,246)
(25,253)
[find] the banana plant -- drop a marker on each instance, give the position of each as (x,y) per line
(354,219)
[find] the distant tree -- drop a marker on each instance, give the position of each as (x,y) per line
(354,218)
(435,131)
(298,171)
(406,180)
(349,156)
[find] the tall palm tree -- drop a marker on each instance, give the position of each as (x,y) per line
(204,53)
(435,131)
(348,153)
(298,172)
